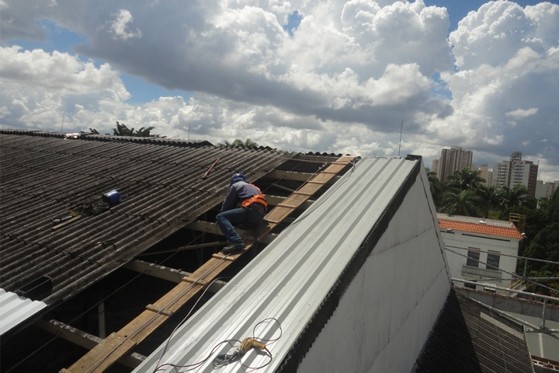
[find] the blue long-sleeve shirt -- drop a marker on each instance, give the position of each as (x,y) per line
(238,192)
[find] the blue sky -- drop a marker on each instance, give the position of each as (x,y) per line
(61,39)
(328,75)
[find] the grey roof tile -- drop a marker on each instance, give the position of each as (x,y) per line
(44,176)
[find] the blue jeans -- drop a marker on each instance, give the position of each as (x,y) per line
(226,220)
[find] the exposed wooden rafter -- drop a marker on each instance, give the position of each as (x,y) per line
(120,343)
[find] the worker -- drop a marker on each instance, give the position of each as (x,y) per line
(244,204)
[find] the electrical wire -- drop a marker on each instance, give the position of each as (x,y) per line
(87,310)
(502,270)
(232,342)
(57,335)
(187,316)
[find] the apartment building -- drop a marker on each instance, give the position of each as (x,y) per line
(454,159)
(516,172)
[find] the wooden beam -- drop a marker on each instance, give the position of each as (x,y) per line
(156,270)
(85,340)
(289,175)
(116,345)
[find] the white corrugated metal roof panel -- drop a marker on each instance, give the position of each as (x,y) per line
(15,309)
(290,279)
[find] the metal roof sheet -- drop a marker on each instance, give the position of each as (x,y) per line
(292,277)
(15,309)
(163,188)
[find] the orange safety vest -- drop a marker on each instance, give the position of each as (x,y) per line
(257,198)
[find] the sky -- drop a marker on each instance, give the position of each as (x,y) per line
(374,78)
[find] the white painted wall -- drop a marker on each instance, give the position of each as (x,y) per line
(457,246)
(385,317)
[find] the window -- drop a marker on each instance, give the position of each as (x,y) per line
(493,259)
(473,257)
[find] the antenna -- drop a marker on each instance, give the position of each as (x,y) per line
(400,142)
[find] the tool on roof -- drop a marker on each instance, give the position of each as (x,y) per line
(71,214)
(211,167)
(62,220)
(237,352)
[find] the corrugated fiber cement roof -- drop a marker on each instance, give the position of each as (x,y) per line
(160,187)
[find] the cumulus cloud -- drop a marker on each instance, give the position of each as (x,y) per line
(121,24)
(506,81)
(39,88)
(522,113)
(318,75)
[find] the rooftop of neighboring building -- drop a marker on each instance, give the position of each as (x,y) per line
(469,224)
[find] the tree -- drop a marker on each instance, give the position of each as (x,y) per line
(488,199)
(122,130)
(512,200)
(545,245)
(466,179)
(460,202)
(437,188)
(238,143)
(553,207)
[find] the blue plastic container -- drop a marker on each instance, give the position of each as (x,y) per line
(112,197)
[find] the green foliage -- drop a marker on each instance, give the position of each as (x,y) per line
(460,202)
(545,245)
(238,143)
(436,188)
(465,194)
(553,207)
(122,130)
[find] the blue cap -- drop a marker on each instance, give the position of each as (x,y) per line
(237,177)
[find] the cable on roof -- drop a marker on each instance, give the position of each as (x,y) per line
(235,353)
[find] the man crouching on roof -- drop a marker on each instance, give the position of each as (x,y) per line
(244,203)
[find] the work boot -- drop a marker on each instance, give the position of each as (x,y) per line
(233,248)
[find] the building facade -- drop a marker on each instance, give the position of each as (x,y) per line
(546,190)
(480,250)
(454,159)
(486,174)
(516,172)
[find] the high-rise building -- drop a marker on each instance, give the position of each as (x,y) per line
(516,172)
(486,174)
(454,159)
(546,190)
(435,166)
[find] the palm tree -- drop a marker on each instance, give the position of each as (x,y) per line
(488,199)
(466,179)
(512,200)
(460,202)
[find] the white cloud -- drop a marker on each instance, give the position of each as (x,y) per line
(521,113)
(121,24)
(342,81)
(39,89)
